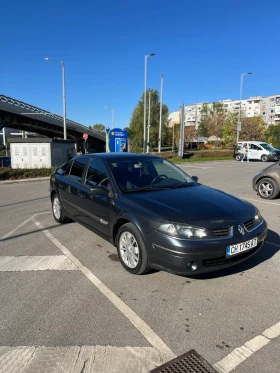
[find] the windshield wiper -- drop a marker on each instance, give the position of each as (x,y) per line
(180,186)
(145,189)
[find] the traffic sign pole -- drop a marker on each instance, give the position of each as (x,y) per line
(85,137)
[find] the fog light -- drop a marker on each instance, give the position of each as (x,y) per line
(192,266)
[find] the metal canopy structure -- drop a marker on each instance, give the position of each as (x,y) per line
(20,115)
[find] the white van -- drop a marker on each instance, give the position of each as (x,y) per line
(258,150)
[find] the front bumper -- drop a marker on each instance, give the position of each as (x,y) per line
(273,156)
(191,257)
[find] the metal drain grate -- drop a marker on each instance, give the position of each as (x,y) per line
(190,362)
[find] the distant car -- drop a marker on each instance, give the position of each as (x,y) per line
(257,150)
(155,214)
(267,182)
(5,161)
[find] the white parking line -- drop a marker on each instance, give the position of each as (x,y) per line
(240,354)
(203,168)
(36,263)
(23,223)
(140,324)
(259,200)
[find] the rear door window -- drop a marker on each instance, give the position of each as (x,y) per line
(77,169)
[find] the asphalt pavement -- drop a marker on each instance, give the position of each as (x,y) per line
(66,301)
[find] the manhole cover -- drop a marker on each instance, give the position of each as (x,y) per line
(190,362)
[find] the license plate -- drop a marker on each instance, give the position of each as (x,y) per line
(240,247)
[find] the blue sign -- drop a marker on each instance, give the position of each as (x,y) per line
(116,140)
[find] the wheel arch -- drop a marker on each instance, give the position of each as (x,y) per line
(264,177)
(124,219)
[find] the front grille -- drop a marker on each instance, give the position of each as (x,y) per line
(221,232)
(191,362)
(250,224)
(222,260)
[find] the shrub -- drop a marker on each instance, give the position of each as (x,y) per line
(21,173)
(214,153)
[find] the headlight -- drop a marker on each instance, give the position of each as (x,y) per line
(258,217)
(183,231)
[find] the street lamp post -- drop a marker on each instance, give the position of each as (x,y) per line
(239,114)
(113,115)
(160,114)
(145,99)
(149,123)
(63,94)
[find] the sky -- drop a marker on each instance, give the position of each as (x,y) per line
(201,47)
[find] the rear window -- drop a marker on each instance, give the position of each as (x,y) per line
(64,170)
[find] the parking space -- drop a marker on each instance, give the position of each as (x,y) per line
(77,293)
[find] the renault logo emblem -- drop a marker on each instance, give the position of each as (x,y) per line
(241,230)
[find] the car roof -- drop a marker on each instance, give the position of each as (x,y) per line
(117,156)
(254,142)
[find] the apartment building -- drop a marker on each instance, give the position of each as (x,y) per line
(267,107)
(174,118)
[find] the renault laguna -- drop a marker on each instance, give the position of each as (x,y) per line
(156,215)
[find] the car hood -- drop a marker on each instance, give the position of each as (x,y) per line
(194,204)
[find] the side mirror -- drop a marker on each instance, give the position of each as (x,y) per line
(98,190)
(195,178)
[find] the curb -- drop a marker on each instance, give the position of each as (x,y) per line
(5,182)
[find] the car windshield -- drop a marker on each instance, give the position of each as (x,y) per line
(267,147)
(148,174)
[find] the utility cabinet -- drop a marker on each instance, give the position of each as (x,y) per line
(40,152)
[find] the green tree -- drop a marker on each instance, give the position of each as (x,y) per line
(229,129)
(273,135)
(252,128)
(203,127)
(136,123)
(217,119)
(98,127)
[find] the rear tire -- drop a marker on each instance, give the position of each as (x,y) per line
(57,210)
(131,250)
(268,188)
(264,158)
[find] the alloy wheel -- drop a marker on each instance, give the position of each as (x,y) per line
(266,189)
(56,208)
(129,249)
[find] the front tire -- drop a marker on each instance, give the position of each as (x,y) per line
(268,188)
(264,158)
(131,250)
(238,157)
(57,210)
